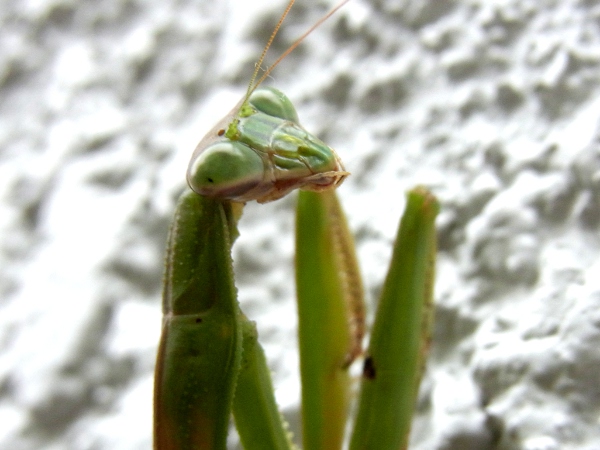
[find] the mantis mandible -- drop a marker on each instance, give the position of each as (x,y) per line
(210,363)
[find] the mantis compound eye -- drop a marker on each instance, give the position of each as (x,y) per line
(225,170)
(275,103)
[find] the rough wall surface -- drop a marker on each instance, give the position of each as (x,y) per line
(494,105)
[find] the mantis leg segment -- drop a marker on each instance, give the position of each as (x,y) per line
(401,334)
(257,419)
(330,316)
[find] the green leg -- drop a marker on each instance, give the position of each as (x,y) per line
(330,316)
(257,418)
(401,333)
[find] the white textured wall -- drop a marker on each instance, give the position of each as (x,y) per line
(493,104)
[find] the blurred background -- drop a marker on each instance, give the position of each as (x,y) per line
(494,105)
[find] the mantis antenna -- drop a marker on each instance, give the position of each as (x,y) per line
(253,85)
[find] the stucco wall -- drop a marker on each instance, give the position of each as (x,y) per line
(492,104)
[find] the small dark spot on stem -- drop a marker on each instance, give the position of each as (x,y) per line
(210,180)
(199,320)
(369,368)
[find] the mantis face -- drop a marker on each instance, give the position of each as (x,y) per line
(259,151)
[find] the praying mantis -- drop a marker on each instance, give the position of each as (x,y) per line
(210,364)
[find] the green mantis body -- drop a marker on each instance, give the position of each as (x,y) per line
(210,363)
(192,396)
